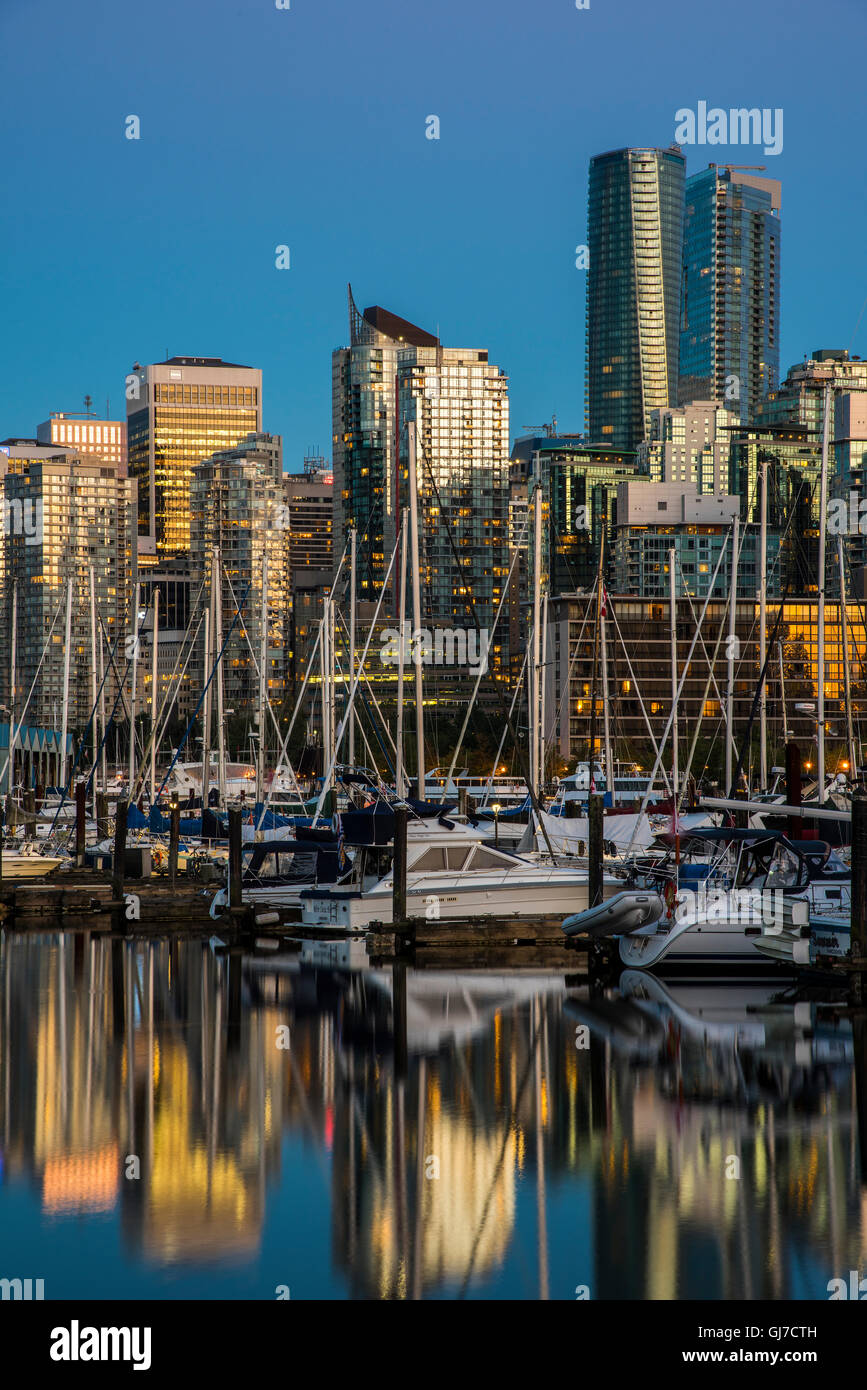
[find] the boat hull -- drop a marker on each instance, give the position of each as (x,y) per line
(449,901)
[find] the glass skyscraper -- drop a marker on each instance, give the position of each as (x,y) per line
(635,238)
(730,319)
(364,439)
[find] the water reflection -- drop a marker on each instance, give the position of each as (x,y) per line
(424,1134)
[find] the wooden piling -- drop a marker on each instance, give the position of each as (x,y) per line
(102,815)
(595,848)
(80,820)
(119,858)
(174,838)
(793,786)
(30,813)
(462,801)
(236,897)
(398,878)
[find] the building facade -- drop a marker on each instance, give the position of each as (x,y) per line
(635,240)
(84,512)
(180,412)
(86,435)
(730,308)
(459,404)
(689,445)
(655,518)
(639,662)
(235,505)
(364,413)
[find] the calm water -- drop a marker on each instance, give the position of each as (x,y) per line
(518,1141)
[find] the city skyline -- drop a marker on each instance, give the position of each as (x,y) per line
(475,268)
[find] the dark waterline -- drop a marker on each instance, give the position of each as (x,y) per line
(524,1140)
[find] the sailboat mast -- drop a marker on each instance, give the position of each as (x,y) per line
(730,655)
(672,616)
(263,686)
(13,658)
(783,692)
(763,628)
(93,684)
(535,732)
(67,656)
(606,713)
(847,680)
(353,542)
(154,688)
(217,581)
(418,653)
(206,709)
(135,676)
(820,613)
(398,779)
(542,682)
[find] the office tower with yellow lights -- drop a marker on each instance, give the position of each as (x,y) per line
(180,412)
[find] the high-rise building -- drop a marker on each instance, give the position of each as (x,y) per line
(393,373)
(76,514)
(180,412)
(635,237)
(689,444)
(235,504)
(799,400)
(730,307)
(459,403)
(579,506)
(364,435)
(86,435)
(308,503)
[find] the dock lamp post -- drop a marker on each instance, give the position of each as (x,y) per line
(496,808)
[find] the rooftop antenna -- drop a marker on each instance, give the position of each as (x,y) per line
(88,402)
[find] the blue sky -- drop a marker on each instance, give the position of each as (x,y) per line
(306,127)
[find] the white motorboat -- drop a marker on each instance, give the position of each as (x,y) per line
(16,864)
(450,874)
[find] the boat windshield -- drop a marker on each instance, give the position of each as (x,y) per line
(783,870)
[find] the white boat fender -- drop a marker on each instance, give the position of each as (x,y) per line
(621,915)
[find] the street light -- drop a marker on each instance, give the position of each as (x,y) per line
(496,808)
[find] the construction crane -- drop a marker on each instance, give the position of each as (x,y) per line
(549,431)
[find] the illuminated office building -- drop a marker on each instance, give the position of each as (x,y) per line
(635,238)
(180,412)
(86,435)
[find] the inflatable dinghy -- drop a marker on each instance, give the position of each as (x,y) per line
(619,916)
